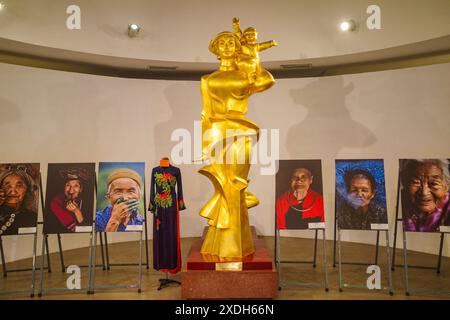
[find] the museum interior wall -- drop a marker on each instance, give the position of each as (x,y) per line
(53,116)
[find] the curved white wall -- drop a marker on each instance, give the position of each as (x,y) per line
(175,30)
(52,116)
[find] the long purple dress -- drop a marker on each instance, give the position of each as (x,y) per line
(166,201)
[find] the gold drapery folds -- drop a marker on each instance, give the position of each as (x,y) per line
(227,138)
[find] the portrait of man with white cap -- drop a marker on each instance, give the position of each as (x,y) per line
(124,193)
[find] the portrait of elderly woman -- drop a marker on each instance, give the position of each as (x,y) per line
(70,197)
(120,196)
(299,194)
(360,194)
(18,197)
(425,194)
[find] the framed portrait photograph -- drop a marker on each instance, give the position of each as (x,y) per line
(69,200)
(120,197)
(361,195)
(299,194)
(19,198)
(425,194)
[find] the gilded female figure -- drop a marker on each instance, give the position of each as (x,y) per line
(226,145)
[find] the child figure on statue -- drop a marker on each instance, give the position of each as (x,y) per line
(249,61)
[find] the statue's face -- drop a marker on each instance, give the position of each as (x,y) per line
(226,46)
(251,37)
(426,188)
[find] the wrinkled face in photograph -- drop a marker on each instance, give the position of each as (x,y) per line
(360,191)
(301,179)
(426,188)
(126,187)
(72,189)
(15,189)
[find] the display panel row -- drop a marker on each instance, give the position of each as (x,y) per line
(360,195)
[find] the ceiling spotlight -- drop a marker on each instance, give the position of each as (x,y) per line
(2,6)
(348,25)
(133,30)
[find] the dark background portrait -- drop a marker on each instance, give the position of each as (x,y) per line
(30,205)
(285,169)
(375,167)
(55,185)
(283,185)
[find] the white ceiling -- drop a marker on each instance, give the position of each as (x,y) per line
(180,30)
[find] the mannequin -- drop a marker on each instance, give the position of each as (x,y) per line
(166,202)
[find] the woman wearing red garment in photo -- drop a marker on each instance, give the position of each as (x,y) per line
(300,204)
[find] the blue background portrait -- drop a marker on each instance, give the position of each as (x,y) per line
(374,166)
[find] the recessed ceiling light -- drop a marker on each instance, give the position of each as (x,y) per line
(348,25)
(133,30)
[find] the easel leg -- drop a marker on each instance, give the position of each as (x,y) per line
(405,263)
(391,289)
(49,265)
(61,256)
(324,255)
(94,259)
(315,248)
(108,267)
(41,271)
(146,244)
(377,247)
(5,272)
(438,271)
(140,264)
(277,257)
(101,249)
(334,239)
(394,249)
(91,240)
(33,267)
(340,261)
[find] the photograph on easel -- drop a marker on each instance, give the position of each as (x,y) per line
(69,198)
(19,197)
(120,196)
(360,194)
(425,194)
(299,194)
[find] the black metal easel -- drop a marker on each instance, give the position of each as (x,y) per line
(108,265)
(278,261)
(61,254)
(377,246)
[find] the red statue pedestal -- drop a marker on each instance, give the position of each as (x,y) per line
(209,277)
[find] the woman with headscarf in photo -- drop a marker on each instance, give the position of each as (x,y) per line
(426,196)
(18,199)
(358,211)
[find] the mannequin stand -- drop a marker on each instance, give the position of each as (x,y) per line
(165,282)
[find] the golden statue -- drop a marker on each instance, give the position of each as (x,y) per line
(227,139)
